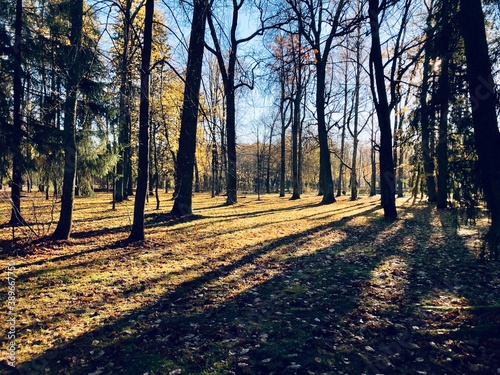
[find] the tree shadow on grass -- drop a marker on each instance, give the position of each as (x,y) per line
(299,314)
(168,220)
(9,248)
(462,316)
(428,331)
(184,330)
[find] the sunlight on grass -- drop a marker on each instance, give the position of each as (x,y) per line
(386,286)
(224,260)
(85,283)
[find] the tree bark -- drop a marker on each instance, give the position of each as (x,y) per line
(444,93)
(355,132)
(137,232)
(373,178)
(344,126)
(326,178)
(17,156)
(427,157)
(189,119)
(284,126)
(483,101)
(122,168)
(63,228)
(296,121)
(387,172)
(268,160)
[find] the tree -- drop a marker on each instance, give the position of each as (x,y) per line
(427,157)
(443,100)
(356,130)
(124,164)
(319,24)
(75,73)
(483,101)
(17,156)
(5,74)
(229,75)
(281,68)
(387,172)
(214,97)
(137,233)
(345,121)
(189,118)
(298,57)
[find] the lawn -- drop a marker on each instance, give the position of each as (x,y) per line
(262,287)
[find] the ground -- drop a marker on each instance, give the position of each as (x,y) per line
(262,287)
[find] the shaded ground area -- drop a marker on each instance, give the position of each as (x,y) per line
(270,287)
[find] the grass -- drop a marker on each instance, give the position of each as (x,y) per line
(262,287)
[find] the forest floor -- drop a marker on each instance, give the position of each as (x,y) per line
(262,287)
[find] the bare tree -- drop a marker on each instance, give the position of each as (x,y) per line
(189,119)
(387,172)
(320,23)
(228,73)
(137,232)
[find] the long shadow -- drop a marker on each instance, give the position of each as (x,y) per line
(429,332)
(103,218)
(263,212)
(253,252)
(386,335)
(335,211)
(304,293)
(108,247)
(300,315)
(267,224)
(168,220)
(99,232)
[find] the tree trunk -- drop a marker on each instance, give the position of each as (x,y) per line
(295,161)
(151,161)
(387,173)
(189,119)
(483,101)
(373,179)
(282,159)
(300,153)
(444,93)
(428,160)
(223,152)
(215,167)
(344,125)
(17,157)
(124,103)
(296,123)
(156,167)
(127,173)
(325,165)
(400,173)
(196,177)
(63,228)
(137,232)
(231,133)
(268,160)
(416,183)
(284,126)
(355,132)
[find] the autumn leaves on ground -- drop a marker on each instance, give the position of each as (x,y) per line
(262,287)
